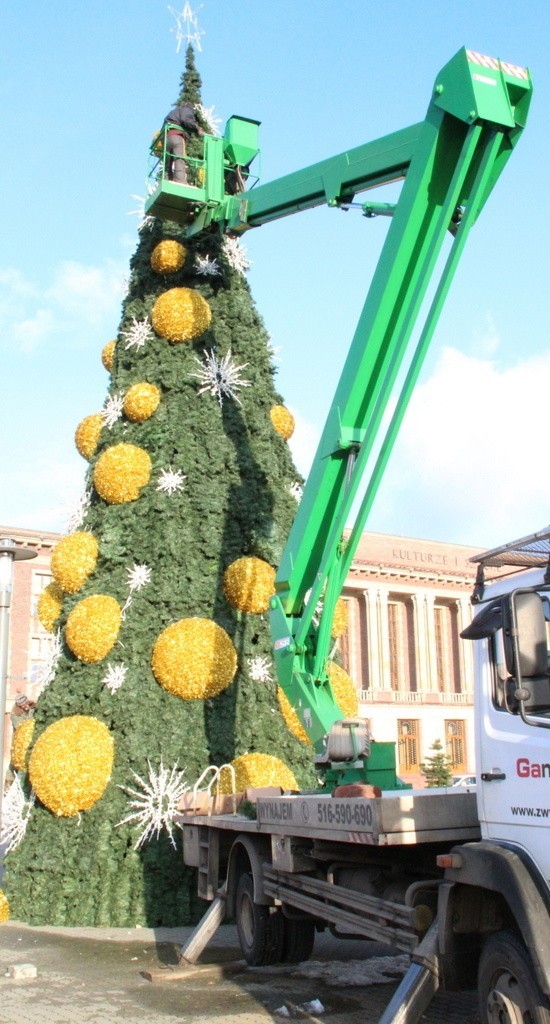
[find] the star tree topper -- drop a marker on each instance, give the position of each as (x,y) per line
(189,31)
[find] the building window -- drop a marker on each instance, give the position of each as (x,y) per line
(401,638)
(455,745)
(408,745)
(446,647)
(40,581)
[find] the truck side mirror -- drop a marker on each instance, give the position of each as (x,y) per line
(524,632)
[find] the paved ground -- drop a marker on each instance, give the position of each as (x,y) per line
(94,977)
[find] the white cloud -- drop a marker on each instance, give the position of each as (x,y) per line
(78,299)
(303,443)
(39,491)
(471,464)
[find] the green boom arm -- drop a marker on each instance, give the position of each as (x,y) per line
(449,163)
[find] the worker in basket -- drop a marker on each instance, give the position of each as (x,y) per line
(181,122)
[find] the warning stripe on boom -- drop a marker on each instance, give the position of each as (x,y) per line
(497,65)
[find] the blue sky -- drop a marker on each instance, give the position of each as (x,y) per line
(83,86)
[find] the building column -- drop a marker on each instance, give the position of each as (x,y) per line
(465,647)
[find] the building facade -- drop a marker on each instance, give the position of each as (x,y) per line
(407,602)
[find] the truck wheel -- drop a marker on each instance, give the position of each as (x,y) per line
(260,932)
(298,940)
(508,990)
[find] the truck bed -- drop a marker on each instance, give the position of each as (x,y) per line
(396,818)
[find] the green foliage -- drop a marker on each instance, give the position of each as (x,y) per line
(235,501)
(437,769)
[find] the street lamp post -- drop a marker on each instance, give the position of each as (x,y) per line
(9,553)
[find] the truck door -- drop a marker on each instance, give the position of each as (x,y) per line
(513,750)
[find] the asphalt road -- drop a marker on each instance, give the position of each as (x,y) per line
(96,976)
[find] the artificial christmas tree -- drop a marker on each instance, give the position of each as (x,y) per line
(159,596)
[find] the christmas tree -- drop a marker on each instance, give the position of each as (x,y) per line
(163,663)
(437,769)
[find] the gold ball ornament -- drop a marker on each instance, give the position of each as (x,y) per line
(108,355)
(141,401)
(341,619)
(344,691)
(120,473)
(92,627)
(20,744)
(49,606)
(283,421)
(181,314)
(194,659)
(73,559)
(71,764)
(255,771)
(87,435)
(292,721)
(4,908)
(168,256)
(248,584)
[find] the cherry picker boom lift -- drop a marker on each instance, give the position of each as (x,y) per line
(448,165)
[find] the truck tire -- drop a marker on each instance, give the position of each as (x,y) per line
(260,931)
(298,940)
(508,990)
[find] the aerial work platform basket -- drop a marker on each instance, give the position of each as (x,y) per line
(221,169)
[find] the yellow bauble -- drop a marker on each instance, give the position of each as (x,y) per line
(249,583)
(20,744)
(87,435)
(253,771)
(92,627)
(340,620)
(141,401)
(344,691)
(121,472)
(49,606)
(71,764)
(4,907)
(293,723)
(168,256)
(73,559)
(181,314)
(194,658)
(108,354)
(282,420)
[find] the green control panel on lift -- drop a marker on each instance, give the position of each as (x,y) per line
(447,164)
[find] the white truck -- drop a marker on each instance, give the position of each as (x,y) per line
(457,877)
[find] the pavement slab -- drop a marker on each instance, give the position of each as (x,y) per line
(96,976)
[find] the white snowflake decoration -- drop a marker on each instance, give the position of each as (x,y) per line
(145,221)
(16,811)
(207,267)
(221,377)
(112,410)
(77,513)
(138,334)
(49,665)
(235,254)
(273,351)
(207,115)
(296,491)
(114,677)
(156,803)
(259,670)
(171,480)
(138,576)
